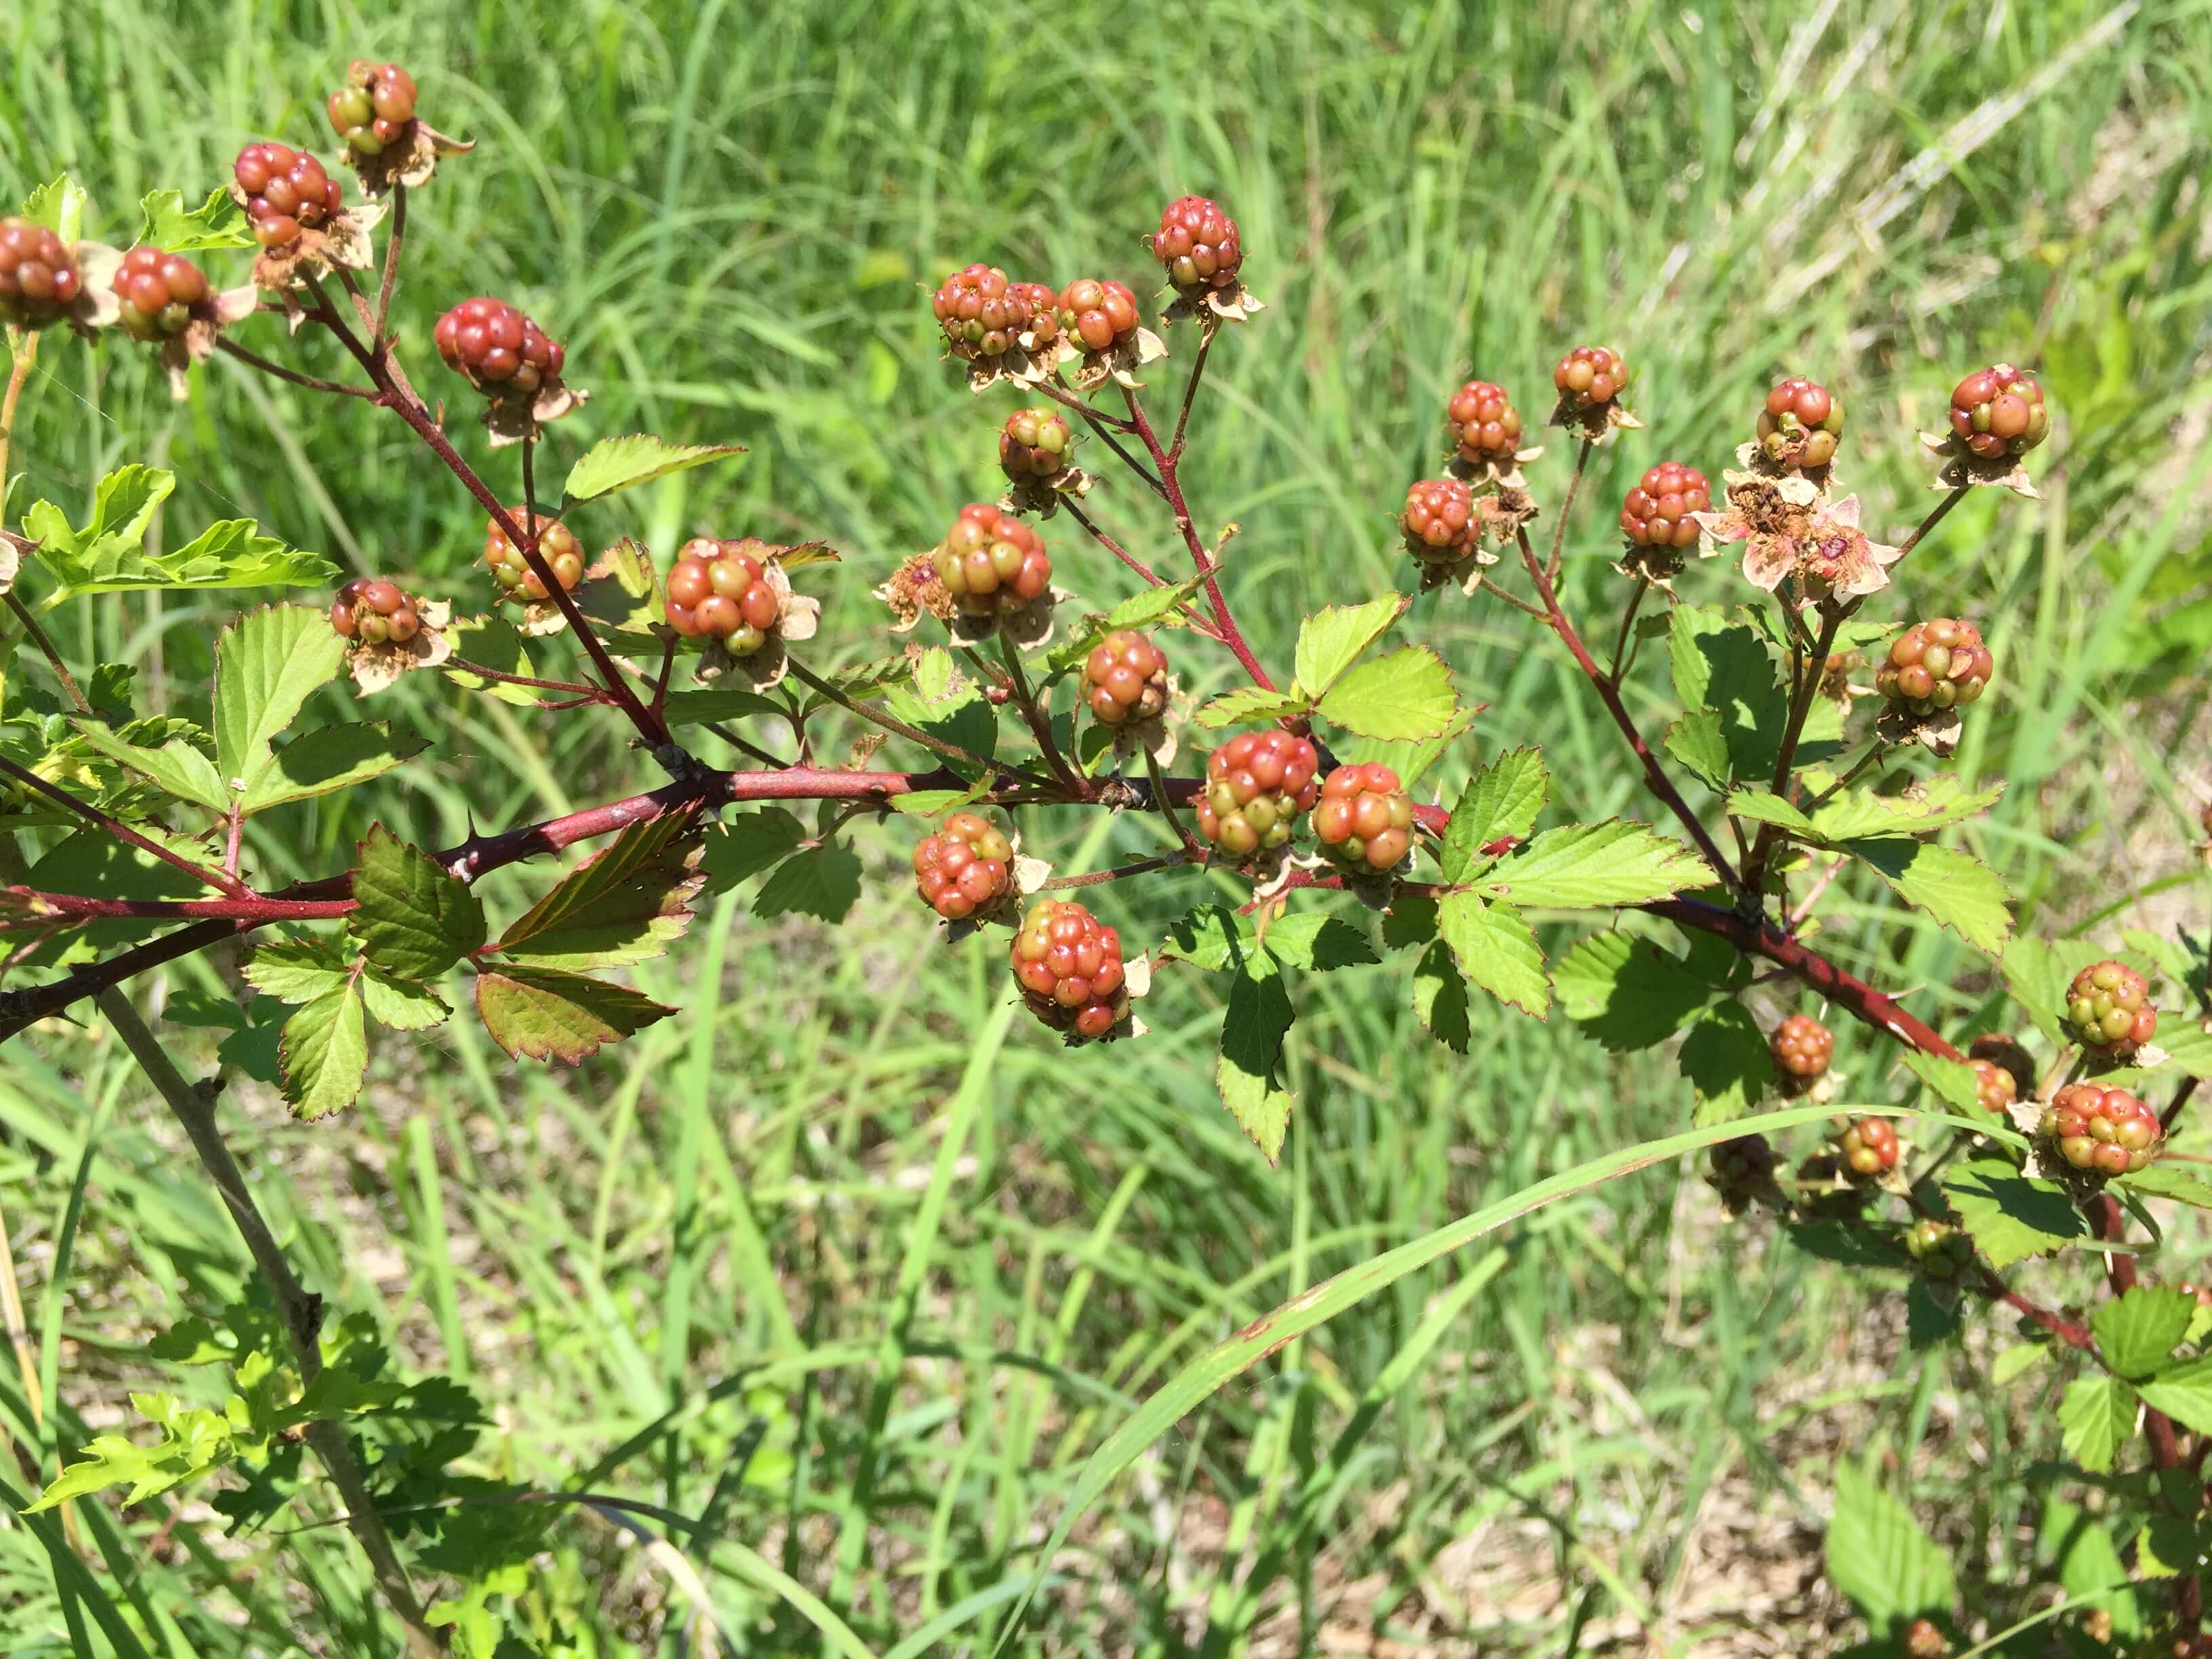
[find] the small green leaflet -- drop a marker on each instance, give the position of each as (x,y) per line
(322,763)
(323,1054)
(823,881)
(545,1013)
(1628,991)
(1249,703)
(165,222)
(620,905)
(2011,1216)
(2096,1416)
(1258,1019)
(1214,936)
(107,555)
(1404,695)
(194,1440)
(1697,741)
(1878,1556)
(2137,1331)
(1727,1062)
(1939,802)
(1334,638)
(748,843)
(1589,867)
(1440,999)
(614,464)
(1954,889)
(268,664)
(298,971)
(411,918)
(1501,801)
(1496,950)
(176,766)
(494,643)
(2183,1392)
(58,205)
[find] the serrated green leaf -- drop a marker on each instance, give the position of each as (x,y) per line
(1722,665)
(1953,1080)
(2096,1416)
(176,766)
(1928,1319)
(1334,637)
(1411,757)
(747,843)
(2187,1044)
(1763,806)
(194,1440)
(298,971)
(411,917)
(59,204)
(323,1054)
(165,222)
(1697,741)
(1726,1057)
(1954,889)
(268,664)
(2011,1216)
(544,1013)
(823,881)
(2088,1566)
(2183,1392)
(402,1004)
(1252,1033)
(2037,971)
(2166,1181)
(107,555)
(1249,703)
(1501,801)
(1627,991)
(723,704)
(1591,867)
(2136,1332)
(123,507)
(1143,608)
(614,464)
(2017,1361)
(1405,696)
(1940,801)
(1496,950)
(620,907)
(1214,936)
(1440,999)
(1878,1556)
(323,762)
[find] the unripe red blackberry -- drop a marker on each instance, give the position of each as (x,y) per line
(1485,428)
(1041,301)
(1940,1249)
(2007,1055)
(2107,1130)
(1034,443)
(1439,521)
(375,612)
(991,562)
(501,351)
(1923,1641)
(966,866)
(158,293)
(1125,678)
(374,107)
(1199,245)
(39,276)
(1364,818)
(1256,786)
(556,544)
(1069,965)
(716,590)
(1994,1087)
(1656,512)
(287,190)
(1998,413)
(1941,663)
(1099,314)
(1589,377)
(1803,1047)
(2108,1010)
(1800,424)
(982,315)
(1868,1145)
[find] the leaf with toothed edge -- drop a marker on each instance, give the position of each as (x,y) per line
(323,1054)
(1258,1019)
(412,917)
(620,905)
(614,464)
(1500,801)
(544,1013)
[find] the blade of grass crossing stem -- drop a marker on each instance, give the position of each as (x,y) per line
(757,1570)
(924,1637)
(1210,1371)
(429,1193)
(914,1269)
(55,1300)
(73,1580)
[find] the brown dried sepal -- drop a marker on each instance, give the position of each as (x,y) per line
(1029,627)
(196,344)
(339,243)
(1756,462)
(1592,422)
(799,617)
(1235,303)
(1937,732)
(1117,362)
(95,306)
(1964,470)
(378,667)
(411,160)
(1041,497)
(915,592)
(1488,475)
(513,420)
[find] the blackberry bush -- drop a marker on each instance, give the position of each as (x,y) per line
(1069,966)
(1935,664)
(287,191)
(2106,1131)
(1125,678)
(966,867)
(39,276)
(1800,424)
(991,562)
(160,294)
(1364,819)
(375,612)
(719,590)
(1485,429)
(556,544)
(1257,786)
(500,352)
(1999,414)
(2108,1010)
(1198,245)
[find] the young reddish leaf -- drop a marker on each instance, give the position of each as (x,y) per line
(621,905)
(411,917)
(323,1054)
(546,1014)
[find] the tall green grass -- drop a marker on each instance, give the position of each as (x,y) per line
(840,1212)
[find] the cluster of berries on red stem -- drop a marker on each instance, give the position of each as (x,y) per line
(991,562)
(287,190)
(717,589)
(2108,1010)
(1485,427)
(556,544)
(1999,413)
(1589,377)
(1656,512)
(1439,521)
(1125,678)
(1364,818)
(966,866)
(1198,244)
(1257,785)
(373,109)
(982,315)
(1868,1146)
(1995,1087)
(375,612)
(2108,1130)
(1069,965)
(1803,1048)
(1935,664)
(1034,443)
(39,276)
(160,293)
(1800,424)
(1102,314)
(501,351)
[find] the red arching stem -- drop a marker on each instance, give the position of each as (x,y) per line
(66,907)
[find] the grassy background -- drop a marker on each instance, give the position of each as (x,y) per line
(731,217)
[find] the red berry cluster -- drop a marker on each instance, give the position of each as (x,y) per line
(556,544)
(160,293)
(1198,244)
(1656,512)
(1999,413)
(1101,314)
(717,589)
(991,562)
(980,312)
(1034,443)
(1256,786)
(1589,377)
(1941,663)
(1364,818)
(375,612)
(1439,521)
(1125,678)
(1868,1145)
(1485,428)
(374,108)
(39,278)
(2109,1131)
(287,191)
(1803,1047)
(502,353)
(966,866)
(1800,424)
(1069,964)
(2108,1009)
(1995,1087)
